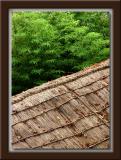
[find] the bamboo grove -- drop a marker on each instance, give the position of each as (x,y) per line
(48,45)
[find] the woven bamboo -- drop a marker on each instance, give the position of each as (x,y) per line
(71,112)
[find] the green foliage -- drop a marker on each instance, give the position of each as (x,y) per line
(47,45)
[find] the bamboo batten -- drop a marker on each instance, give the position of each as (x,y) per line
(71,112)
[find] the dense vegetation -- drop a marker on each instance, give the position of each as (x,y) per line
(47,45)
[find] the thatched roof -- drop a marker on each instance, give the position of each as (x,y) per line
(66,113)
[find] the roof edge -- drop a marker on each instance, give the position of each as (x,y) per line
(60,81)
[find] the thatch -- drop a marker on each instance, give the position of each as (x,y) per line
(71,112)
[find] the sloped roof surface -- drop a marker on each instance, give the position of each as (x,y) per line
(67,113)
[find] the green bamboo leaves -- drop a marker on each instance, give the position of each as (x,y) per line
(48,45)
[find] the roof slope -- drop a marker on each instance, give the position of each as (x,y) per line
(66,113)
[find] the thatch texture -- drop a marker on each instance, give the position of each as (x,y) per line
(71,112)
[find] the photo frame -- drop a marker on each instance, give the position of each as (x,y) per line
(5,78)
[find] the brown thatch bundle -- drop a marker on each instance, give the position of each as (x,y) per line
(68,113)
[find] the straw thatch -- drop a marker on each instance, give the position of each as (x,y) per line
(71,112)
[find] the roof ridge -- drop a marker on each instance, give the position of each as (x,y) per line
(62,80)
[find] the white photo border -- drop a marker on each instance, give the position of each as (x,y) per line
(111,84)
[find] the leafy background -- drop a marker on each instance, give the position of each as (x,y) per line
(48,45)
